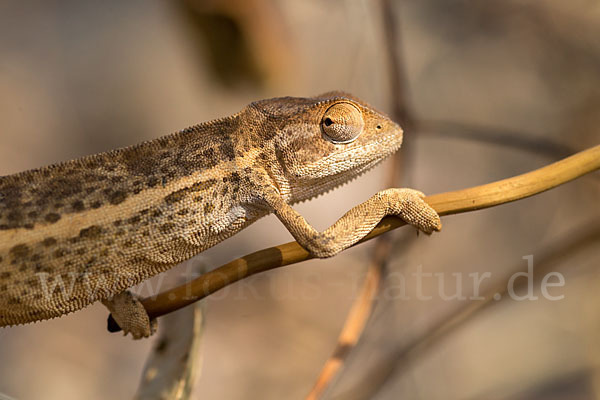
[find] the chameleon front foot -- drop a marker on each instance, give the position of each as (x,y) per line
(130,315)
(409,205)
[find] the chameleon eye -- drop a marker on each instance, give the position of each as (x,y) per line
(342,123)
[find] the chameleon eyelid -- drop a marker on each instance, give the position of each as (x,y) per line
(342,123)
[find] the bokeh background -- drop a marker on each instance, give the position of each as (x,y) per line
(493,89)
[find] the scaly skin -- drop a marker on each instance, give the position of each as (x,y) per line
(87,229)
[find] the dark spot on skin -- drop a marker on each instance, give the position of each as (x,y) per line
(59,253)
(14,216)
(134,220)
(208,153)
(152,181)
(156,213)
(176,196)
(41,202)
(5,275)
(96,204)
(208,208)
(117,197)
(3,288)
(90,232)
(80,251)
(137,190)
(117,222)
(198,198)
(104,253)
(140,160)
(28,226)
(37,296)
(1,259)
(23,268)
(49,241)
(52,218)
(167,227)
(183,211)
(145,211)
(19,251)
(235,177)
(226,150)
(58,205)
(78,206)
(91,190)
(31,282)
(200,186)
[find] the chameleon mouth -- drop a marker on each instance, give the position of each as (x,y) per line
(318,189)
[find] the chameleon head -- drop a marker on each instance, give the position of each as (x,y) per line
(331,140)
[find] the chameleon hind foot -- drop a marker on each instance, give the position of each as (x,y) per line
(128,312)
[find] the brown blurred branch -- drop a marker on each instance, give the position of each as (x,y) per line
(356,320)
(364,304)
(579,239)
(455,202)
(497,136)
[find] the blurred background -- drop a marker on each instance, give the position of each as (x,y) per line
(485,89)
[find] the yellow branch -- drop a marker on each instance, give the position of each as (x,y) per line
(475,198)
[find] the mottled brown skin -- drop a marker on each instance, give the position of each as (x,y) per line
(87,229)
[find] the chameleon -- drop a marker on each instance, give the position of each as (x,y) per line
(86,230)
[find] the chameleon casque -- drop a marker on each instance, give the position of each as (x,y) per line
(86,230)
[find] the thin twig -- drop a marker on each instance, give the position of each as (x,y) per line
(459,201)
(364,304)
